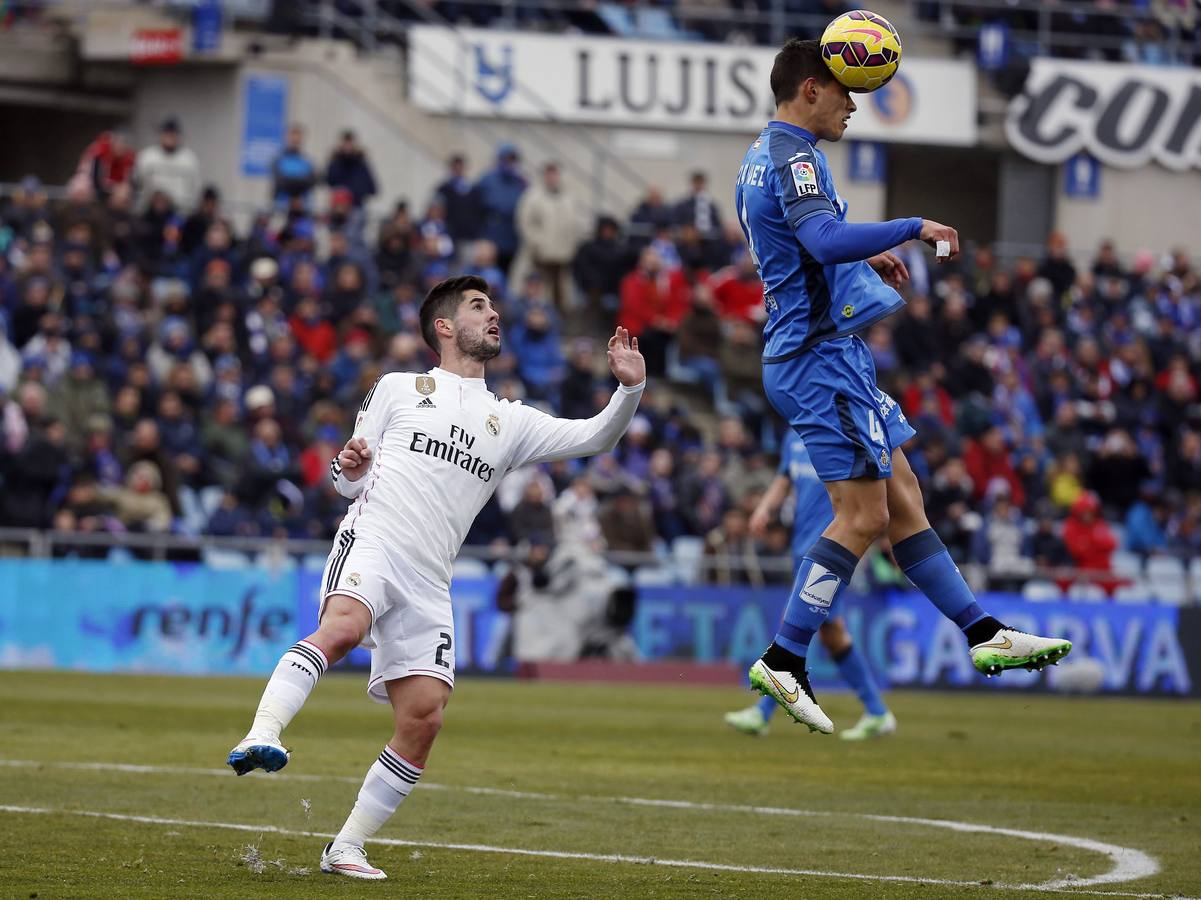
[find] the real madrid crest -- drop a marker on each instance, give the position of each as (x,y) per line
(353,579)
(426,385)
(493,425)
(885,459)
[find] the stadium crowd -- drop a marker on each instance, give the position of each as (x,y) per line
(162,371)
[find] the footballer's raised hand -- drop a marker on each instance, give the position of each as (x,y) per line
(625,362)
(355,458)
(933,232)
(890,268)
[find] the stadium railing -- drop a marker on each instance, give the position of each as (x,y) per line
(1166,580)
(1058,27)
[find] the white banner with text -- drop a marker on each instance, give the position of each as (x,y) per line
(1124,115)
(606,81)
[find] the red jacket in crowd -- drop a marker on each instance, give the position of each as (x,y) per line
(984,463)
(658,301)
(319,339)
(1088,537)
(738,296)
(107,163)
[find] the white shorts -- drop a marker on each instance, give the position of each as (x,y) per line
(412,629)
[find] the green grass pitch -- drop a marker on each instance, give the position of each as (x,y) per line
(571,769)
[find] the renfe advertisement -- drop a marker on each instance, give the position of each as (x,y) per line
(192,619)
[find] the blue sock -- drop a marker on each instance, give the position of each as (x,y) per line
(822,575)
(923,557)
(768,706)
(858,675)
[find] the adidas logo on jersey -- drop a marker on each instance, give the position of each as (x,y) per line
(427,403)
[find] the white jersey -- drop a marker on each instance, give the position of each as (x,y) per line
(440,445)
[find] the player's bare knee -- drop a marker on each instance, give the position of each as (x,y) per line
(338,635)
(871,521)
(419,726)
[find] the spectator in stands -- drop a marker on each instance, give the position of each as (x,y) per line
(702,494)
(349,169)
(700,209)
(698,340)
(1056,267)
(170,168)
(293,174)
(626,523)
(1000,542)
(577,514)
(651,217)
(534,341)
(141,504)
(1044,545)
(498,193)
(196,226)
(1088,537)
(30,208)
(49,348)
(77,397)
(599,265)
(532,517)
(10,360)
(731,553)
(34,475)
(314,333)
(1117,472)
(550,225)
(915,336)
(224,442)
(987,458)
(459,200)
(653,301)
(1146,521)
(737,290)
(741,367)
(107,162)
(267,463)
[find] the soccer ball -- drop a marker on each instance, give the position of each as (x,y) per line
(862,49)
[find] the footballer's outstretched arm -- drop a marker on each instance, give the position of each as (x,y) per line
(354,459)
(830,241)
(544,438)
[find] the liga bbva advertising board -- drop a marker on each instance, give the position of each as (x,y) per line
(1125,115)
(663,85)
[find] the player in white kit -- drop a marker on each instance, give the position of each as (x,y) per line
(428,451)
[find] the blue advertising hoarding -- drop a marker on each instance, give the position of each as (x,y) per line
(1143,648)
(142,616)
(265,114)
(192,619)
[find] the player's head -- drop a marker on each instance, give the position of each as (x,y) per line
(807,92)
(457,313)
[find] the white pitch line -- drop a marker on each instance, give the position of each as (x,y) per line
(561,854)
(1128,864)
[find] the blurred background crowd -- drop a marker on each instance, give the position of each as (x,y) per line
(162,370)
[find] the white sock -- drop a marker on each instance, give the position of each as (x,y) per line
(288,688)
(388,782)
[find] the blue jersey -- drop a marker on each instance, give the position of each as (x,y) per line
(813,509)
(784,180)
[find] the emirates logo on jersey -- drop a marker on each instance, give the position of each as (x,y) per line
(493,425)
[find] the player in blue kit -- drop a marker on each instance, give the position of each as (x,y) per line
(825,280)
(813,514)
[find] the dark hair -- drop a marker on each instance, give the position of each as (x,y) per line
(442,301)
(796,61)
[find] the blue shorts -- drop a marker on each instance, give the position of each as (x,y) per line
(828,395)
